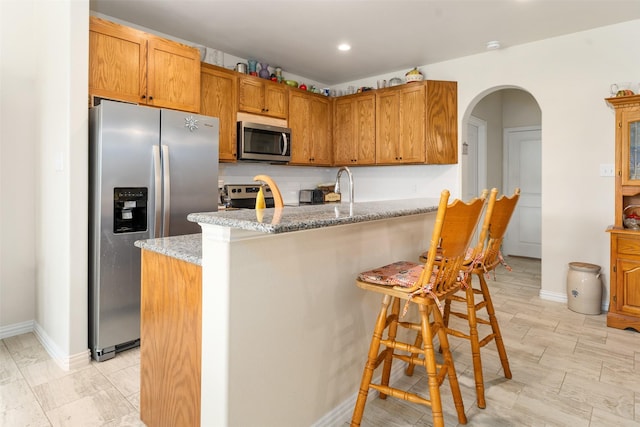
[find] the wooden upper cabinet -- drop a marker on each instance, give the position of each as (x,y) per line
(354,129)
(401,124)
(260,96)
(130,65)
(218,98)
(173,75)
(117,61)
(442,122)
(310,123)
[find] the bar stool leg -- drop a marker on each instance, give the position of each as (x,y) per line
(448,362)
(370,366)
(475,346)
(432,370)
(494,326)
(391,336)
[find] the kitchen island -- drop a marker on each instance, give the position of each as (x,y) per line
(284,330)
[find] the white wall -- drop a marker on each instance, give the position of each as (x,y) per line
(18,131)
(44,162)
(61,243)
(569,77)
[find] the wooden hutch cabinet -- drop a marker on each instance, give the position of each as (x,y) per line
(130,65)
(624,304)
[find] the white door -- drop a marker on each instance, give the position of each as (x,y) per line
(523,168)
(475,151)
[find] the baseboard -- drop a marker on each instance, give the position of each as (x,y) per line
(66,362)
(341,414)
(16,329)
(562,297)
(553,296)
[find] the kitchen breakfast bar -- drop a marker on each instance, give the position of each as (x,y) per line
(257,321)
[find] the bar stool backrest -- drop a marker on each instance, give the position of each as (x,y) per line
(454,227)
(497,228)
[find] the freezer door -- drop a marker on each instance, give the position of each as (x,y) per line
(123,137)
(190,165)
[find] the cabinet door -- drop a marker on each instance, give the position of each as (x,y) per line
(320,119)
(345,140)
(442,123)
(275,100)
(218,99)
(310,123)
(630,139)
(173,75)
(366,129)
(299,110)
(117,61)
(387,125)
(412,123)
(250,95)
(354,132)
(627,296)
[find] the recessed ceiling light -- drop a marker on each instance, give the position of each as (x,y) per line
(493,45)
(344,47)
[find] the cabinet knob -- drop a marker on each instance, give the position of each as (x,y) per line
(143,96)
(151,98)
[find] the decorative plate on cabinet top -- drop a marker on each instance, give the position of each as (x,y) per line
(395,81)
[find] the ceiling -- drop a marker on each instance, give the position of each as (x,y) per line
(301,36)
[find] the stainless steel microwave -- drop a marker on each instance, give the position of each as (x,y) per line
(258,142)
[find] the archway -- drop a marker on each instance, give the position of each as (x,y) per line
(501,148)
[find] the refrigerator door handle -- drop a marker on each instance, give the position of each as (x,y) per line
(157,178)
(166,205)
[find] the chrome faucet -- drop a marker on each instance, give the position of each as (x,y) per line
(337,186)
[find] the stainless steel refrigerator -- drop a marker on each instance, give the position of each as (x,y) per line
(149,168)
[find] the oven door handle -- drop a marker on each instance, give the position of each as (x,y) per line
(285,144)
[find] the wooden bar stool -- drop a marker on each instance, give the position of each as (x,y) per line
(425,286)
(486,257)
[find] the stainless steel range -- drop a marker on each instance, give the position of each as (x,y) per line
(243,196)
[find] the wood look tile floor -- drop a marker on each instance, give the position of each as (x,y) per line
(568,369)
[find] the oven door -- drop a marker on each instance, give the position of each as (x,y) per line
(260,142)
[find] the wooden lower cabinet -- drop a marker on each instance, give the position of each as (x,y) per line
(624,303)
(170,341)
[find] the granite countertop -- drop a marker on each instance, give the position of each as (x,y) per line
(186,248)
(306,217)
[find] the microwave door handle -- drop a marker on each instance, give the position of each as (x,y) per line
(157,179)
(286,143)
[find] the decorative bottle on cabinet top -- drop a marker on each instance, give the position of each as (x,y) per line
(252,67)
(264,71)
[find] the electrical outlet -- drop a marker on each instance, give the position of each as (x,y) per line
(607,169)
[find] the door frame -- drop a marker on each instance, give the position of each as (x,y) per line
(481,151)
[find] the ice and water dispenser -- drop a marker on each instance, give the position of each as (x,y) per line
(129,209)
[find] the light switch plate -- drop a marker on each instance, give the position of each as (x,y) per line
(607,169)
